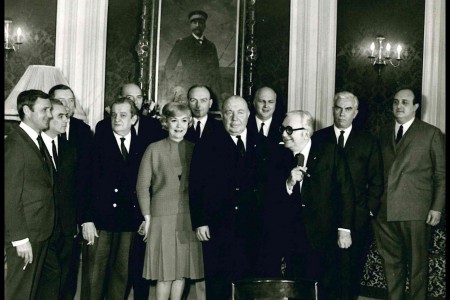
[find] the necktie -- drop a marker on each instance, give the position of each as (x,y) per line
(240,146)
(341,139)
(399,134)
(299,159)
(123,149)
(197,131)
(64,136)
(261,129)
(43,151)
(55,154)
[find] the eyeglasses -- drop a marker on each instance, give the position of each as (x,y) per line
(289,129)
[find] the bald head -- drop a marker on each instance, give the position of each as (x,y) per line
(264,102)
(235,115)
(133,92)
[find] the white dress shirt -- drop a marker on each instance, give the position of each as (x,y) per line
(406,126)
(127,140)
(266,125)
(243,138)
(202,123)
(48,143)
(347,131)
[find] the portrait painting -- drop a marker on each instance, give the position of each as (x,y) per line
(197,44)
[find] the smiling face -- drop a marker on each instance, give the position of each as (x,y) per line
(403,106)
(199,102)
(121,118)
(264,103)
(178,125)
(344,112)
(235,115)
(38,116)
(299,138)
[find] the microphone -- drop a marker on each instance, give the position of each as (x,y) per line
(300,162)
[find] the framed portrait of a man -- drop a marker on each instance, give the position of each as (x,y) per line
(195,42)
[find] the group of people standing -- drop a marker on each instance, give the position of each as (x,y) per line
(190,197)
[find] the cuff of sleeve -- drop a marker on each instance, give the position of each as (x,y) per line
(288,190)
(20,242)
(344,229)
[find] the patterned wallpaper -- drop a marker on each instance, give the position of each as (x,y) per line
(122,36)
(359,23)
(37,19)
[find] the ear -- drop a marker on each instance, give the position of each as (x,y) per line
(416,106)
(134,119)
(26,110)
(210,103)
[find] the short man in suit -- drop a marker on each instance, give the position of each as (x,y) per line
(225,195)
(112,215)
(315,204)
(79,135)
(198,55)
(366,168)
(199,101)
(414,196)
(53,282)
(29,202)
(263,120)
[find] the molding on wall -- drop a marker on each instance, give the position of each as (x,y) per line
(433,83)
(81,52)
(312,58)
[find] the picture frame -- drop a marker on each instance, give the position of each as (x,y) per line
(229,27)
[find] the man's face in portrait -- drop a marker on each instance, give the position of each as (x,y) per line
(198,26)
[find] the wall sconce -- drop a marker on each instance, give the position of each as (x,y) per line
(379,58)
(10,45)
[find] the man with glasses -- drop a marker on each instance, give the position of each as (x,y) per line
(311,203)
(199,101)
(364,160)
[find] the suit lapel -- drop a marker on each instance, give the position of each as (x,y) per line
(407,137)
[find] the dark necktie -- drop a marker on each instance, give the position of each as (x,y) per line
(123,149)
(197,131)
(261,129)
(341,139)
(64,136)
(43,151)
(55,154)
(240,146)
(399,134)
(299,159)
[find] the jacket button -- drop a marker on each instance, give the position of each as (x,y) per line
(236,189)
(236,208)
(114,205)
(303,205)
(116,190)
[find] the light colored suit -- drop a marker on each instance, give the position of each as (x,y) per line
(414,184)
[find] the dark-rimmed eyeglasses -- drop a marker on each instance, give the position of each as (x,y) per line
(289,129)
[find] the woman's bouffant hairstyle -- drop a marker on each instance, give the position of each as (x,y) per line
(173,109)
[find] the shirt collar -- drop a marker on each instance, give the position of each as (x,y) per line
(198,37)
(406,125)
(30,131)
(202,120)
(243,137)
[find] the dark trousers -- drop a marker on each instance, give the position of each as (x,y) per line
(403,245)
(140,285)
(105,266)
(22,284)
(217,287)
(56,267)
(69,288)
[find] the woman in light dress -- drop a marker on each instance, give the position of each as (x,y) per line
(173,252)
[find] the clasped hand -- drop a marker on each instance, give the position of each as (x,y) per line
(297,174)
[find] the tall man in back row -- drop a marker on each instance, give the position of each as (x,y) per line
(198,55)
(364,160)
(414,196)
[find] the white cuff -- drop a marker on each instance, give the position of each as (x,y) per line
(20,242)
(344,229)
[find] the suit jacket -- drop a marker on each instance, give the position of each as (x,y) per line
(211,126)
(66,189)
(274,135)
(414,172)
(80,135)
(326,199)
(363,156)
(29,202)
(149,131)
(226,194)
(113,205)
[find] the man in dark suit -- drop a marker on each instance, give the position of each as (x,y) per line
(79,135)
(414,196)
(199,58)
(366,168)
(225,195)
(199,101)
(53,282)
(263,120)
(29,202)
(112,216)
(312,199)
